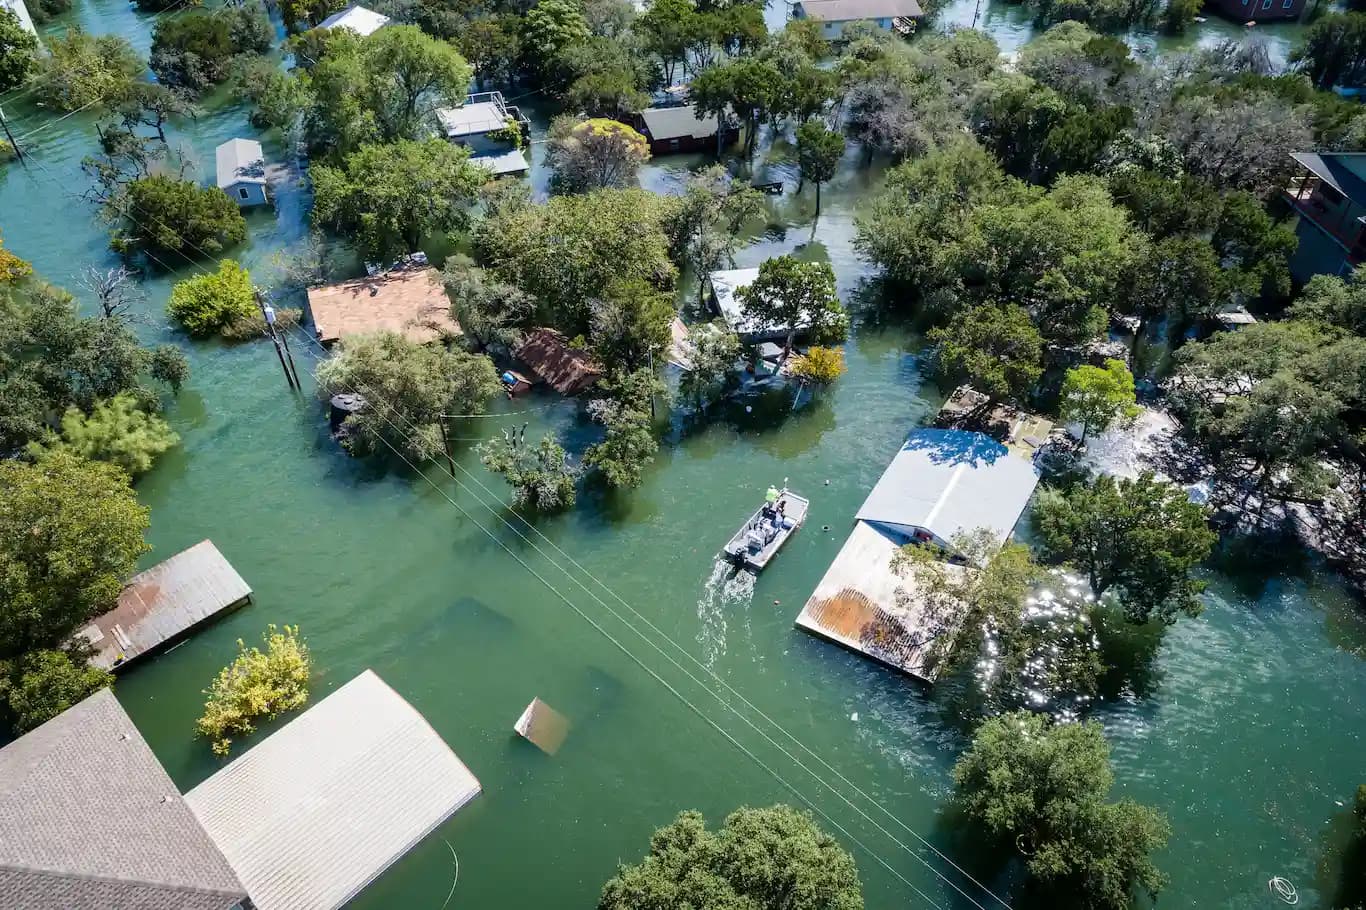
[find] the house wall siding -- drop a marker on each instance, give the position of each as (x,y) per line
(1317,253)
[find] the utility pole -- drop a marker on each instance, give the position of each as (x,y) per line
(446,442)
(976,11)
(269,314)
(14,143)
(289,355)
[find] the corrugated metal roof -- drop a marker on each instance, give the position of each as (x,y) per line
(89,820)
(319,809)
(678,122)
(853,10)
(566,370)
(240,161)
(360,20)
(164,602)
(500,163)
(473,118)
(951,482)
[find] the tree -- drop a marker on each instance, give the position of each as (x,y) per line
(747,87)
(594,154)
(1333,51)
(1179,277)
(565,252)
(1333,301)
(391,196)
(604,77)
(666,27)
(118,431)
(1163,206)
(488,311)
(169,364)
(704,226)
(1180,15)
(993,347)
(547,29)
(18,51)
(819,365)
(713,352)
(381,88)
(164,216)
(630,444)
(492,45)
(256,684)
(735,867)
(1242,141)
(46,683)
(407,387)
(1098,397)
(211,303)
(1253,248)
(542,477)
(819,151)
(70,535)
(630,322)
(114,289)
(195,51)
(1042,786)
(1140,538)
(794,296)
(82,70)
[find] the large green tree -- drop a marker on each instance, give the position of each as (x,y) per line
(70,535)
(43,684)
(819,150)
(196,50)
(83,70)
(995,348)
(174,220)
(18,51)
(1139,538)
(1333,50)
(1098,397)
(1043,788)
(793,296)
(594,154)
(389,197)
(760,859)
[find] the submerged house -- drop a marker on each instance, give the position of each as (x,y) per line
(724,296)
(549,357)
(492,129)
(241,166)
(1258,10)
(941,484)
(1329,195)
(362,21)
(679,128)
(304,820)
(410,301)
(834,15)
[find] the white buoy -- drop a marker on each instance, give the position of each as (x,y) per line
(854,717)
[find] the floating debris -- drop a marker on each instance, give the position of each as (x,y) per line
(542,726)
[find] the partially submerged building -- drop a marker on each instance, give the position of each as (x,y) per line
(1328,194)
(304,820)
(1258,10)
(724,296)
(550,358)
(835,15)
(941,484)
(362,21)
(410,301)
(241,171)
(90,819)
(680,128)
(491,129)
(318,810)
(162,605)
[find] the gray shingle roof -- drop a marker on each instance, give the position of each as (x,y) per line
(677,123)
(89,820)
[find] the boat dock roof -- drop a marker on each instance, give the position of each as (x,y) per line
(865,605)
(318,810)
(950,482)
(165,602)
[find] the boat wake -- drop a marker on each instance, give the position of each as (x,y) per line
(725,589)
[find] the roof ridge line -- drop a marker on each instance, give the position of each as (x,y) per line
(84,876)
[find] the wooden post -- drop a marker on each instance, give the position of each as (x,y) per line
(14,143)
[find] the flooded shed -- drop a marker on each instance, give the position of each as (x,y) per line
(163,604)
(318,810)
(567,370)
(410,301)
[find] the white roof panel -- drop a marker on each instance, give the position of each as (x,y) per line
(321,808)
(509,162)
(950,482)
(240,161)
(360,20)
(472,119)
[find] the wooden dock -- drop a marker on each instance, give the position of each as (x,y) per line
(867,607)
(163,604)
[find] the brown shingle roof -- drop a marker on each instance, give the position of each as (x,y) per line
(565,369)
(410,301)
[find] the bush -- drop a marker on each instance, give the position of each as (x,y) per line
(118,431)
(169,365)
(18,51)
(169,217)
(541,478)
(209,304)
(82,70)
(819,366)
(256,684)
(46,683)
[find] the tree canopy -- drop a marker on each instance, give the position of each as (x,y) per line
(18,51)
(1098,397)
(733,868)
(594,154)
(212,303)
(795,296)
(994,348)
(175,219)
(81,70)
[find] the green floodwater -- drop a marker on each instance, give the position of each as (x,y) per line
(1245,727)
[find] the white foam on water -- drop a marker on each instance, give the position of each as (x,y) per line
(724,590)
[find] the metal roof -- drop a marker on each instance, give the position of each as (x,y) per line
(500,163)
(950,482)
(1338,170)
(163,603)
(409,301)
(240,161)
(89,820)
(473,118)
(360,20)
(319,809)
(851,10)
(663,123)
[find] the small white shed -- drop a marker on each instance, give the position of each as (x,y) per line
(362,21)
(242,172)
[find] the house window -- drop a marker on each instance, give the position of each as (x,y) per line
(1287,4)
(1266,4)
(242,192)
